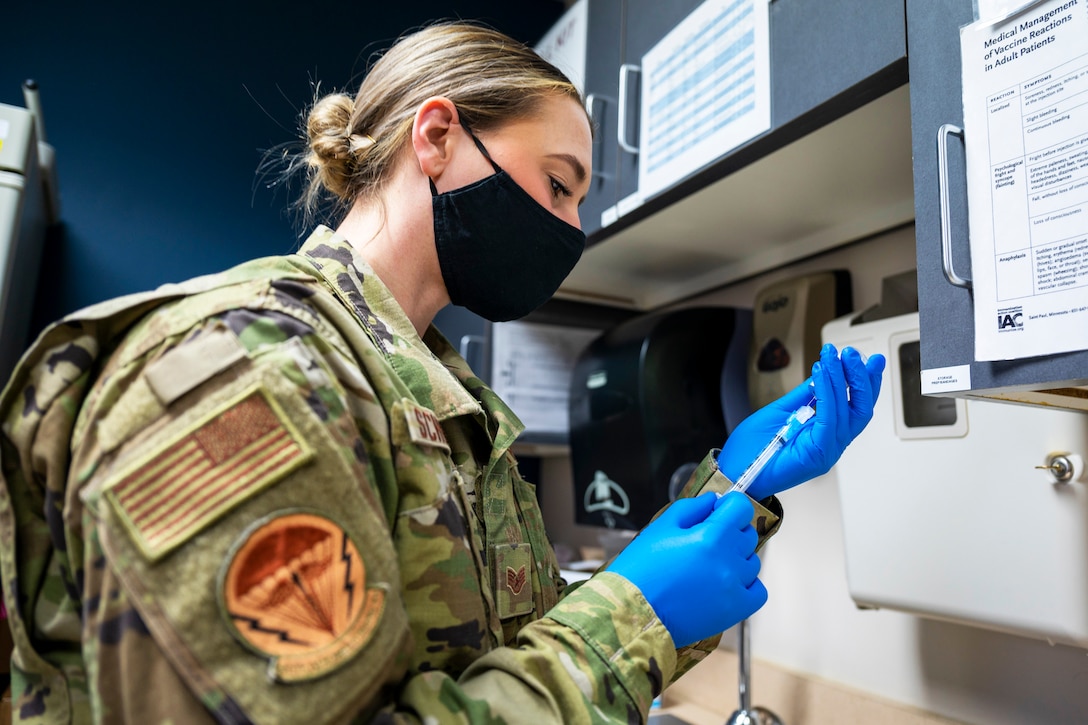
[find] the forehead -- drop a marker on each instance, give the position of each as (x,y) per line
(558,120)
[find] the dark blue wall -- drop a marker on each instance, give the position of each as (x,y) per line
(159,113)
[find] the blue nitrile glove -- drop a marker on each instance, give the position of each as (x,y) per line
(818,445)
(696,565)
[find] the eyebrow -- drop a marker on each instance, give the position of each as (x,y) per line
(579,169)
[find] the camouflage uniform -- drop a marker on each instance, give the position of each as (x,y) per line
(258,496)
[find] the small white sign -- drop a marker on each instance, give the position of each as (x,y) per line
(946,380)
(564,45)
(609,216)
(628,204)
(531,367)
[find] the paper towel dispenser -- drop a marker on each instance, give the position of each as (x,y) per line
(649,399)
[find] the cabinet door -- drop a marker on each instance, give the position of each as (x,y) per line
(603,54)
(946,312)
(822,49)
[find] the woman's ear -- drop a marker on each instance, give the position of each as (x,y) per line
(431,135)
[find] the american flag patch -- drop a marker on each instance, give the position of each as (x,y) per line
(196,477)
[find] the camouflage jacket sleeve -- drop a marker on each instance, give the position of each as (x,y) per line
(212,436)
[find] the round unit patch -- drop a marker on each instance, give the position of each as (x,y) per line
(293,590)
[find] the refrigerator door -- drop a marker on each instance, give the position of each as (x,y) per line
(23,221)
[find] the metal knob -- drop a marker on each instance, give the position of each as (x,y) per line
(1063,466)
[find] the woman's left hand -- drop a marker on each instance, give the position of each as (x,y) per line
(846,389)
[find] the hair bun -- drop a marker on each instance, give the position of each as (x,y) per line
(329,131)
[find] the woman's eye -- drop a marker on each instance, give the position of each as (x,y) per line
(558,188)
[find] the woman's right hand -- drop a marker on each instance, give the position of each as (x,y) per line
(696,565)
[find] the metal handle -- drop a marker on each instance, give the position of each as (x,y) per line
(745,714)
(942,187)
(467,341)
(34,105)
(621,131)
(591,99)
(744,666)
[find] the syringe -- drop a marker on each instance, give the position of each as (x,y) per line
(792,425)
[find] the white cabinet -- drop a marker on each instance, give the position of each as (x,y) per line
(945,513)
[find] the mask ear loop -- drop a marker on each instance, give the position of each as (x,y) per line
(480,146)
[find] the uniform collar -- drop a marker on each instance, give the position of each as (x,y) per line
(433,370)
(503,425)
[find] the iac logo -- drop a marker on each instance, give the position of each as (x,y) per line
(774,305)
(1010,319)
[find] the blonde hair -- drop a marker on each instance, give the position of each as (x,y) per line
(353,144)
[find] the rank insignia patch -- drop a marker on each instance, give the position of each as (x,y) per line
(513,591)
(294,591)
(191,480)
(515,580)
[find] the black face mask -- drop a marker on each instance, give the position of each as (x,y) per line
(502,254)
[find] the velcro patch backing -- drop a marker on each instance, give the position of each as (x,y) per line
(188,365)
(192,479)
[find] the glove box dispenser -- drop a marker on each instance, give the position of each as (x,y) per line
(945,511)
(649,399)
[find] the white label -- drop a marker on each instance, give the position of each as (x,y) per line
(597,379)
(628,204)
(604,494)
(609,216)
(5,127)
(946,380)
